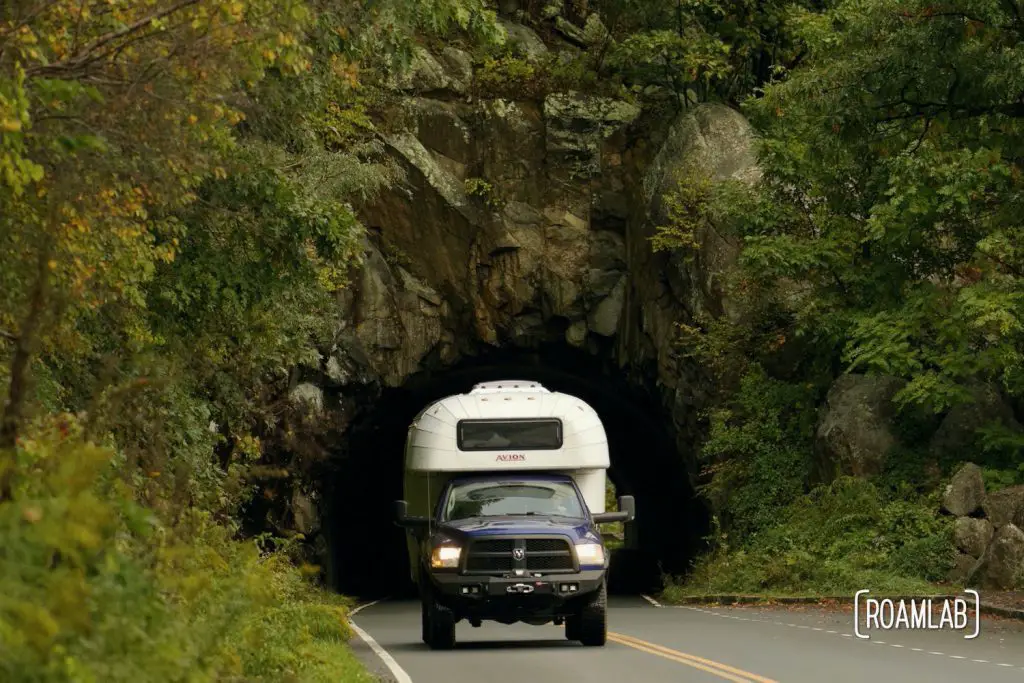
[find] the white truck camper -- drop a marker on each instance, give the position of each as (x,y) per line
(504,426)
(504,488)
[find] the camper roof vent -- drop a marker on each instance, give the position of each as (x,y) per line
(508,385)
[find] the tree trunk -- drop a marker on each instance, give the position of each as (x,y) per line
(21,368)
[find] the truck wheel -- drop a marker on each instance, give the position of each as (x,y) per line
(593,619)
(438,625)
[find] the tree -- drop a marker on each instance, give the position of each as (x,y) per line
(891,206)
(717,48)
(174,187)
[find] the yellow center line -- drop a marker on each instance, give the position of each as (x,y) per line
(722,670)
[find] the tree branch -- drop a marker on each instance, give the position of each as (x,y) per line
(86,55)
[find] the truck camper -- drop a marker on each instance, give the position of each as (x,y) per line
(504,490)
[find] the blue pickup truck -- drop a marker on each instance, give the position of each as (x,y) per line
(512,547)
(504,489)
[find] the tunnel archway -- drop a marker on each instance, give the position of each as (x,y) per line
(367,552)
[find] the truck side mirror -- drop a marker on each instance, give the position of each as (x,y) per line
(403,519)
(627,504)
(626,513)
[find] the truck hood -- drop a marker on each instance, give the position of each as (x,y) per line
(474,527)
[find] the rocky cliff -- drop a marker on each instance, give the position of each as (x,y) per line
(523,222)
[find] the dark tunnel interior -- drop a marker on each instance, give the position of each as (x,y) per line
(368,552)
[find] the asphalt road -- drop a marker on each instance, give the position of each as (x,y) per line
(649,644)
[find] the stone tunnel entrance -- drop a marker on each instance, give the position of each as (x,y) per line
(367,552)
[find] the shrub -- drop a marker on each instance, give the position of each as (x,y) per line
(835,540)
(95,587)
(758,447)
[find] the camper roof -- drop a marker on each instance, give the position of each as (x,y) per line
(507,425)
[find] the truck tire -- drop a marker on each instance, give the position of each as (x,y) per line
(438,625)
(593,619)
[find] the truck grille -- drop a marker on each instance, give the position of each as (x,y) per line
(497,556)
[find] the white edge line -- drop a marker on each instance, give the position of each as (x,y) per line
(359,609)
(396,670)
(651,600)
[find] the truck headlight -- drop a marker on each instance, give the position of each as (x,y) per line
(590,553)
(445,557)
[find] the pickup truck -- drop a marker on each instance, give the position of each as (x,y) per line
(512,547)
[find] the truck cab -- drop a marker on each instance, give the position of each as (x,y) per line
(509,512)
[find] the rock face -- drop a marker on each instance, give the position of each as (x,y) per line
(528,222)
(304,513)
(962,567)
(972,535)
(1002,567)
(1006,506)
(965,494)
(957,435)
(990,547)
(854,433)
(309,397)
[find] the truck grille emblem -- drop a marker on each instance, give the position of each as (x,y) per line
(518,553)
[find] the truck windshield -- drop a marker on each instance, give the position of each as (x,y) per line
(487,499)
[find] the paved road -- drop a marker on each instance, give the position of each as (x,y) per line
(703,645)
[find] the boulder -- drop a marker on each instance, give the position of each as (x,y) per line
(304,513)
(427,73)
(308,396)
(972,535)
(525,40)
(1005,506)
(965,493)
(594,30)
(854,433)
(962,567)
(576,334)
(604,319)
(458,68)
(570,31)
(1002,567)
(717,142)
(958,436)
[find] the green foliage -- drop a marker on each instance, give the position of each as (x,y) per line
(686,209)
(94,587)
(511,75)
(757,452)
(996,479)
(478,187)
(699,48)
(612,530)
(883,237)
(833,541)
(896,147)
(176,191)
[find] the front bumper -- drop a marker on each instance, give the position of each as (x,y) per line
(497,597)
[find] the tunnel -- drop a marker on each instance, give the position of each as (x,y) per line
(367,552)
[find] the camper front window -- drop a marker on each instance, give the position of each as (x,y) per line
(495,499)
